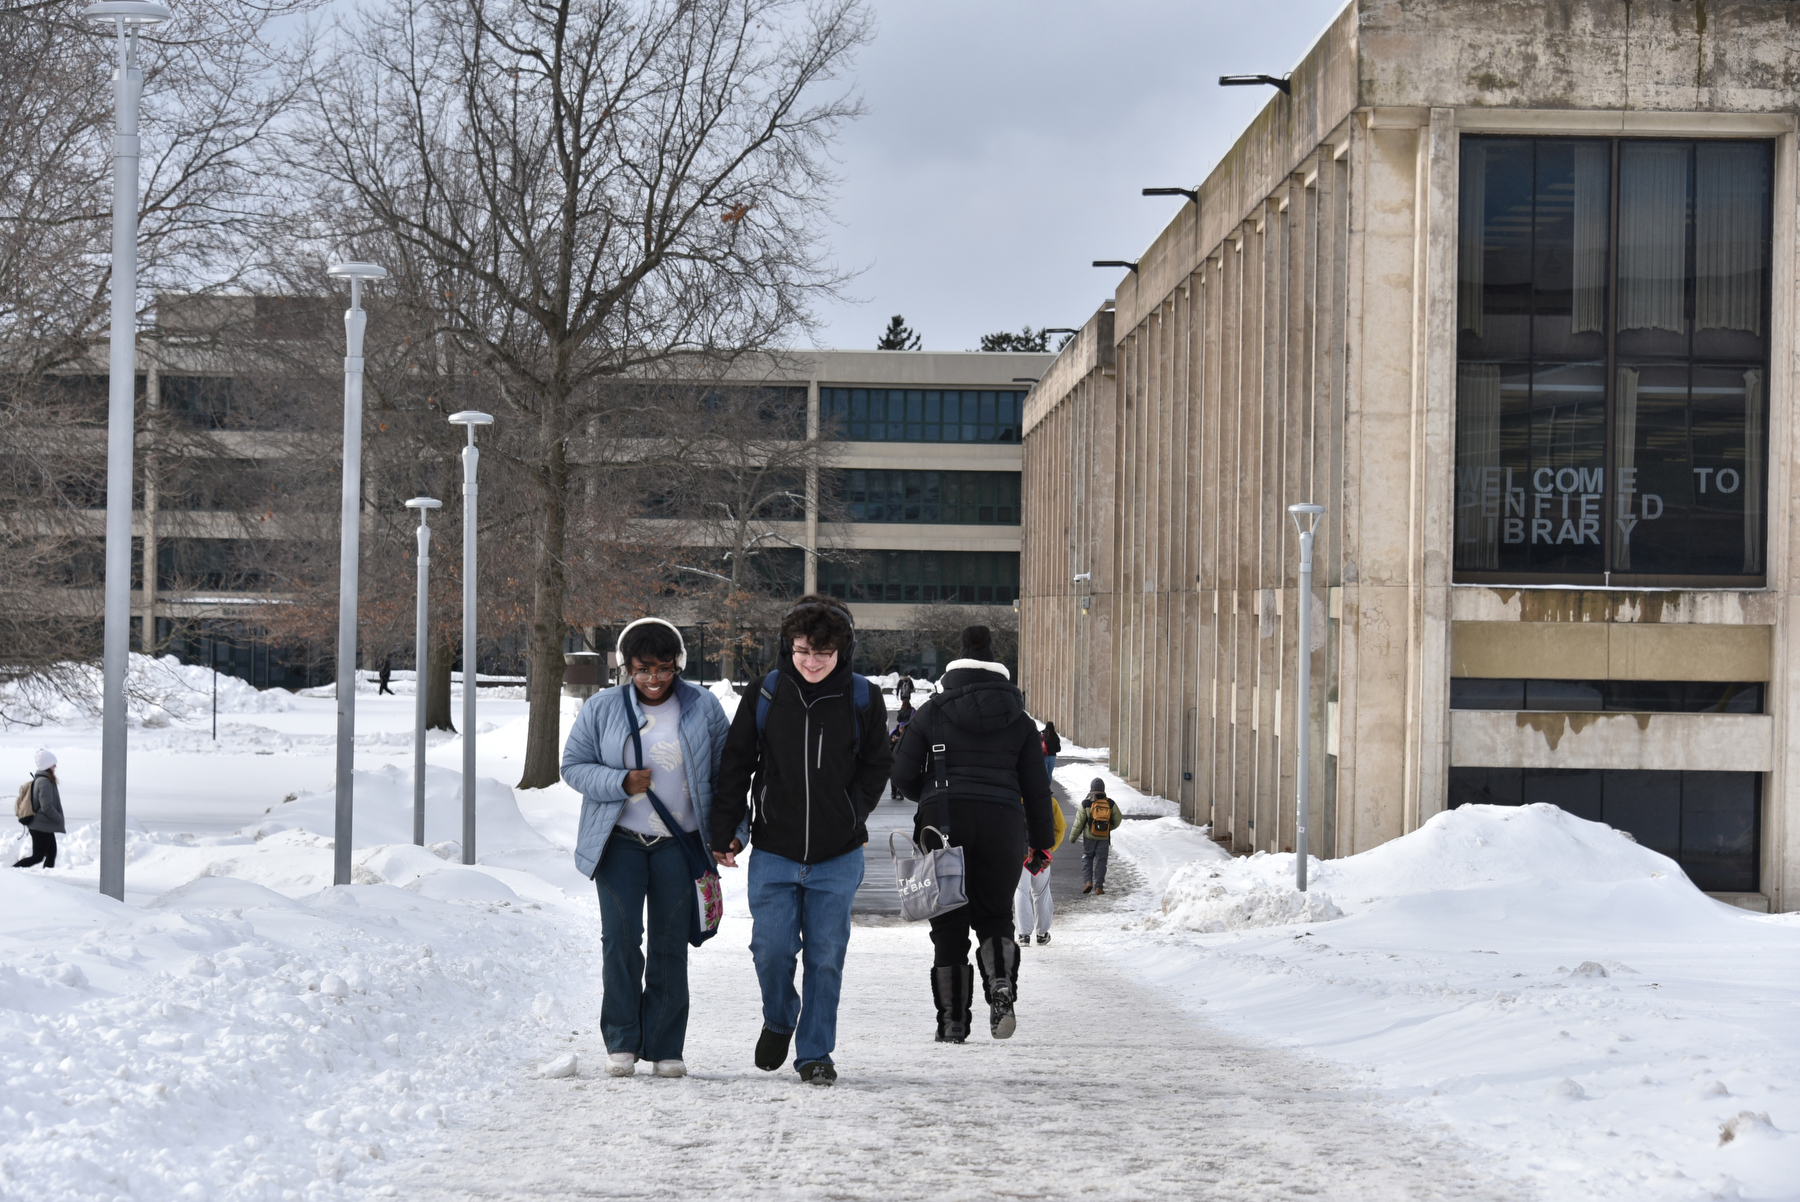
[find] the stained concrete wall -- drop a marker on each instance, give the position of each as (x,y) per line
(1065,624)
(1661,742)
(1291,337)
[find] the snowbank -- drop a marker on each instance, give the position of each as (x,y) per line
(158,690)
(231,1042)
(1471,845)
(1537,985)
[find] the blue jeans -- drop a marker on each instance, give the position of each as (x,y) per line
(802,910)
(644,1004)
(1050,766)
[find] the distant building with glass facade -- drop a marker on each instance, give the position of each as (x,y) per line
(1508,289)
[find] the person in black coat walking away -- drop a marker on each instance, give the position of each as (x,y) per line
(46,821)
(1052,745)
(386,674)
(969,755)
(809,748)
(900,721)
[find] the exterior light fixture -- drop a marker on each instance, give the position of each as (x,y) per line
(421,655)
(1187,192)
(349,553)
(1024,379)
(1129,263)
(1251,81)
(127,17)
(1059,330)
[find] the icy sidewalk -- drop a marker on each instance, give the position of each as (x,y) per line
(1107,1091)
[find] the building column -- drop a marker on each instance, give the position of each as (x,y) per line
(812,490)
(152,403)
(1434,382)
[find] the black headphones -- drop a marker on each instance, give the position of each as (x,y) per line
(787,645)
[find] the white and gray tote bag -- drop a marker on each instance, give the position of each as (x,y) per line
(929,882)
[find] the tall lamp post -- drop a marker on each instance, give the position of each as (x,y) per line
(127,17)
(471,458)
(421,624)
(1306,520)
(349,548)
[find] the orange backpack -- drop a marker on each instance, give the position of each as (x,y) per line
(1100,815)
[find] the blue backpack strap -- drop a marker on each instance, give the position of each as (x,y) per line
(859,693)
(764,697)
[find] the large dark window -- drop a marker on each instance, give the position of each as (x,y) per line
(1612,360)
(1604,696)
(984,498)
(1705,821)
(923,415)
(966,577)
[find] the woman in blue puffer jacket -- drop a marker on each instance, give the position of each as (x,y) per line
(624,846)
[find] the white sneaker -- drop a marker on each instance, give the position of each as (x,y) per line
(671,1068)
(621,1064)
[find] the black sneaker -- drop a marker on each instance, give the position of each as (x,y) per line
(771,1049)
(1043,937)
(1024,940)
(817,1072)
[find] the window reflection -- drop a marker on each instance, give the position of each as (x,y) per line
(1612,357)
(923,415)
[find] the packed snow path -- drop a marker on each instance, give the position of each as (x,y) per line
(1105,1092)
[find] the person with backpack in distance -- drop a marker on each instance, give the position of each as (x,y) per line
(969,756)
(644,755)
(1052,746)
(39,810)
(900,721)
(1032,905)
(806,759)
(1094,825)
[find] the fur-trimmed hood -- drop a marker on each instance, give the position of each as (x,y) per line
(983,664)
(978,696)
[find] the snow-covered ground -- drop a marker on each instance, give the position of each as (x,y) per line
(1505,1004)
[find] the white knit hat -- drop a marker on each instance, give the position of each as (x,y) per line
(44,760)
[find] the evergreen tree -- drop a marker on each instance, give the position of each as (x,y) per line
(898,336)
(1026,339)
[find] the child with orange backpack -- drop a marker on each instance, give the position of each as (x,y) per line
(1094,825)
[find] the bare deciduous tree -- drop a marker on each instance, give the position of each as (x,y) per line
(213,85)
(585,192)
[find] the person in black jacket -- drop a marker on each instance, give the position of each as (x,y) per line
(968,757)
(812,774)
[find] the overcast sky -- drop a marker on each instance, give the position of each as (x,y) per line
(1007,141)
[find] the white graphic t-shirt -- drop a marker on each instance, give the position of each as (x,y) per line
(661,737)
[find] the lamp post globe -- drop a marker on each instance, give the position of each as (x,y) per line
(349,552)
(471,459)
(126,17)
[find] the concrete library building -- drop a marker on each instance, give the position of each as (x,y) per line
(1509,289)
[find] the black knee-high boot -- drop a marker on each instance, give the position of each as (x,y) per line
(999,960)
(953,989)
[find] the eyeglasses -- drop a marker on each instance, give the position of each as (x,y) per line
(654,674)
(816,657)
